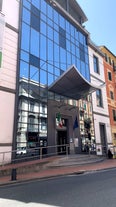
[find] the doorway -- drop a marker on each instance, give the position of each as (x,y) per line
(103,138)
(61,142)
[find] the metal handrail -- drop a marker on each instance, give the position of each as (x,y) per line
(33,153)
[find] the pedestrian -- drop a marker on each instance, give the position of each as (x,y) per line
(110,155)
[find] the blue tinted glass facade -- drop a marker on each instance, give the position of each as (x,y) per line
(57,43)
(49,45)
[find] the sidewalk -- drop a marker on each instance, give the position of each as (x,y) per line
(59,170)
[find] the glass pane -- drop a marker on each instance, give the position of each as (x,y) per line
(67,27)
(77,52)
(50,79)
(72,30)
(25,37)
(73,60)
(43,77)
(56,37)
(43,47)
(24,69)
(24,56)
(68,45)
(50,33)
(73,48)
(50,50)
(57,71)
(56,16)
(43,17)
(34,73)
(56,55)
(43,28)
(81,38)
(26,16)
(50,68)
(62,22)
(26,4)
(62,56)
(68,58)
(35,61)
(35,22)
(87,72)
(34,39)
(36,3)
(43,6)
(83,71)
(50,12)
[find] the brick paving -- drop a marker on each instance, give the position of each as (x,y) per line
(57,171)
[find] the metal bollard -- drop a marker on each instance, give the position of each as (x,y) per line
(13,174)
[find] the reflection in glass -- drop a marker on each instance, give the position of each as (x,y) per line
(43,28)
(34,43)
(26,16)
(24,69)
(25,37)
(43,47)
(25,56)
(43,77)
(34,73)
(50,79)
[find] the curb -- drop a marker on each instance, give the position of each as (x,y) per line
(79,172)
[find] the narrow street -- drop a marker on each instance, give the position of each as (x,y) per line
(90,190)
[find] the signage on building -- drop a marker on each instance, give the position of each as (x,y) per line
(2,25)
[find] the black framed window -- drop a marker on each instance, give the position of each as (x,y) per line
(111,95)
(110,62)
(99,98)
(110,76)
(96,64)
(114,114)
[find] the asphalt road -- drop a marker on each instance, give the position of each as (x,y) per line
(86,190)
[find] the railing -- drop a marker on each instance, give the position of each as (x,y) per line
(43,152)
(33,153)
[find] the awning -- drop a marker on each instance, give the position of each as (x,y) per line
(72,85)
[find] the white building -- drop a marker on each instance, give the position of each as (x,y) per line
(9,13)
(99,99)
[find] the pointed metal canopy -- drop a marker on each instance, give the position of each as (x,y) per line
(72,85)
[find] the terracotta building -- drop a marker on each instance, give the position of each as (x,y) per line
(110,78)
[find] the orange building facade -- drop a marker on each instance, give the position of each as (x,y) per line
(110,78)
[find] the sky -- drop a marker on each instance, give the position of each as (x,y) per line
(101,22)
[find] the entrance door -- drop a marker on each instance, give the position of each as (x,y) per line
(103,138)
(61,142)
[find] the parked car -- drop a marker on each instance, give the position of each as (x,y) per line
(21,151)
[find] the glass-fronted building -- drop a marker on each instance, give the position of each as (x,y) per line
(51,40)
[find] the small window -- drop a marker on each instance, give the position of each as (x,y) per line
(111,95)
(99,98)
(32,106)
(106,57)
(110,62)
(110,76)
(114,115)
(96,64)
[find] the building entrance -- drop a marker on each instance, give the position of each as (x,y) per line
(103,138)
(61,142)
